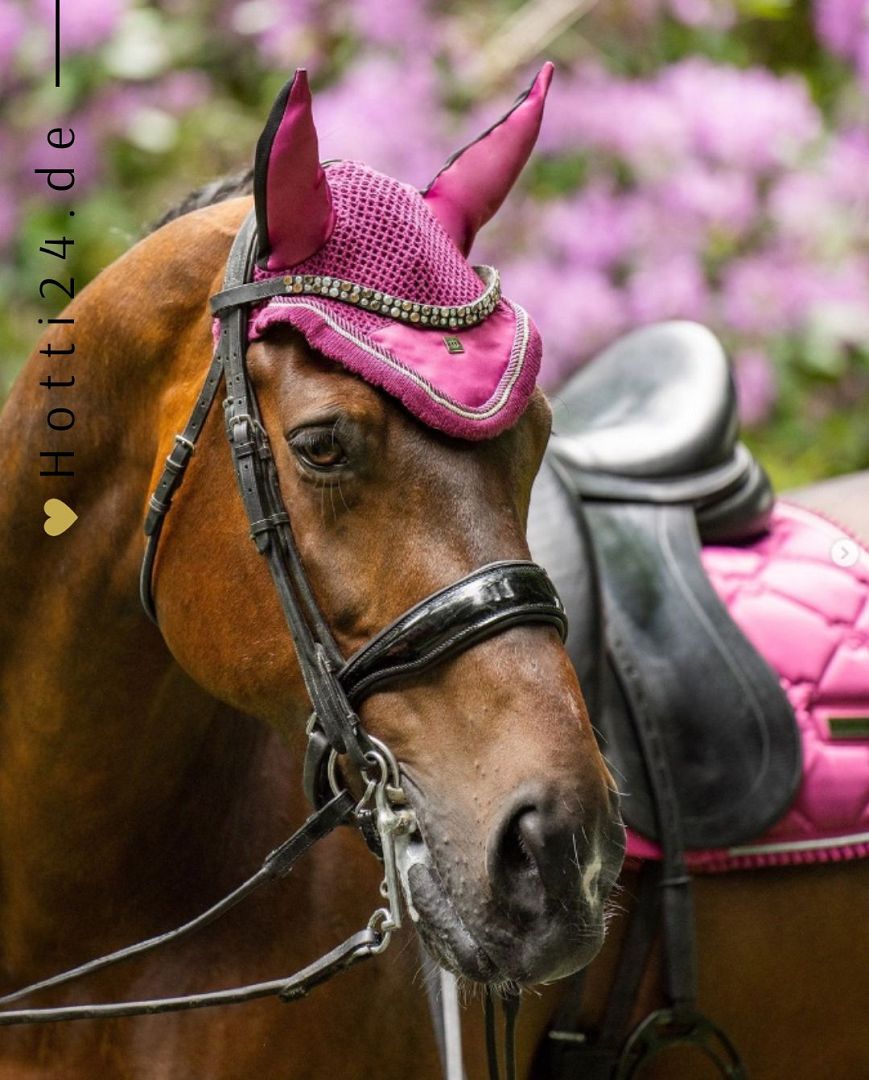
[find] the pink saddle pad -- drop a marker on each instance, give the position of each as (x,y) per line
(801,594)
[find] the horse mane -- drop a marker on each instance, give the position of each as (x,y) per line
(226,187)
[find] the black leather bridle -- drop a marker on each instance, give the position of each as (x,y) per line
(448,621)
(488,600)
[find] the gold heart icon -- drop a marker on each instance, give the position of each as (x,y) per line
(58,517)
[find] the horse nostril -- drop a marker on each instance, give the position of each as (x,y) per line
(532,863)
(514,866)
(521,842)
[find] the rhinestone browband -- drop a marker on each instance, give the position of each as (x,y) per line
(394,307)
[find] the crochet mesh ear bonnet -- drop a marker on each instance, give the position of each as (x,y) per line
(376,272)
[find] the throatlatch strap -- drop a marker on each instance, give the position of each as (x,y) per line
(172,475)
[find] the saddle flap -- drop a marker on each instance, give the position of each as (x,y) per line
(691,699)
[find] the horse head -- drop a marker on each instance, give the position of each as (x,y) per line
(396,387)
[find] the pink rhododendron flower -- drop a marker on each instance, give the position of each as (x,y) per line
(843,282)
(847,170)
(713,198)
(765,293)
(709,14)
(405,23)
(843,26)
(12,28)
(596,227)
(114,112)
(756,389)
(715,14)
(286,32)
(593,111)
(373,115)
(578,313)
(748,118)
(668,289)
(84,24)
(824,208)
(9,222)
(804,211)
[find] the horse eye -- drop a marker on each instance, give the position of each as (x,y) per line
(319,449)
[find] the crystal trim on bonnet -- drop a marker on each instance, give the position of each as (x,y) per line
(394,307)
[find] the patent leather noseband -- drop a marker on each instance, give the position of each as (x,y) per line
(486,601)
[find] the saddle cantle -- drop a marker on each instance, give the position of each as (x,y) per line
(645,463)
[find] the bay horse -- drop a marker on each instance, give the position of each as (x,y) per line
(146,770)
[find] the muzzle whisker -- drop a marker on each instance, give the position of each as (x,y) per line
(575,853)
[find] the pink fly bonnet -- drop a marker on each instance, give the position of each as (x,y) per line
(376,272)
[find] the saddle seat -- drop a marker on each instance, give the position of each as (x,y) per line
(643,465)
(654,419)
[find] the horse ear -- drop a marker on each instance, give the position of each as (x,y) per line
(293,203)
(475,181)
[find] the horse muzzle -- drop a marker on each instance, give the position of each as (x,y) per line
(534,911)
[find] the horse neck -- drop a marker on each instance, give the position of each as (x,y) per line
(103,739)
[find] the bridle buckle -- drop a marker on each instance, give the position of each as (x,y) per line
(186,443)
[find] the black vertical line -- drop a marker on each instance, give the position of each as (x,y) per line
(57,42)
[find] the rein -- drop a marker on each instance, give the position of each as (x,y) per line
(486,601)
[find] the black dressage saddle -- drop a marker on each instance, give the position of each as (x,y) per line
(644,465)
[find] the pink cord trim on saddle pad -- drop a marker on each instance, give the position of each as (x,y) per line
(803,600)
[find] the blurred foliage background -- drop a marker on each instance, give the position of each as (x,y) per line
(706,159)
